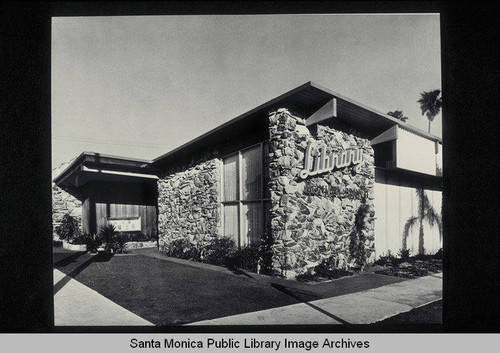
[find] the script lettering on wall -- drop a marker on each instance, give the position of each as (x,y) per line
(318,160)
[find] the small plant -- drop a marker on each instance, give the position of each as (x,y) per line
(439,254)
(118,244)
(404,255)
(307,277)
(328,268)
(93,242)
(68,227)
(113,241)
(386,259)
(108,234)
(78,239)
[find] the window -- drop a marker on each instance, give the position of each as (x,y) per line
(245,196)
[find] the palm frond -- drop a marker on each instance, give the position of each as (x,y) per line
(433,218)
(430,103)
(407,228)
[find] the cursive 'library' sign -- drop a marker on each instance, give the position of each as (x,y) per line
(318,159)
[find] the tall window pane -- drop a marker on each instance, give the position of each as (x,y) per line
(252,223)
(231,228)
(267,177)
(231,178)
(251,173)
(267,217)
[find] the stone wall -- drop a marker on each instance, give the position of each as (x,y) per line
(316,216)
(189,203)
(64,203)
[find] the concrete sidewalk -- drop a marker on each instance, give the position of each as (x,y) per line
(77,305)
(363,307)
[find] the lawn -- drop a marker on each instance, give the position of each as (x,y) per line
(168,291)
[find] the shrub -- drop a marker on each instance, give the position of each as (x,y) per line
(93,242)
(439,254)
(386,259)
(328,269)
(216,252)
(246,259)
(78,240)
(357,246)
(113,241)
(68,228)
(422,257)
(404,255)
(137,236)
(266,254)
(183,249)
(307,277)
(108,234)
(117,244)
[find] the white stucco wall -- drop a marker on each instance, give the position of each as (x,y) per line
(394,205)
(415,153)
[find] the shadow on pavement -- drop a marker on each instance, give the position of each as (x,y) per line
(287,292)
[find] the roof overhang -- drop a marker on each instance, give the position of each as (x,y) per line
(408,178)
(307,100)
(90,166)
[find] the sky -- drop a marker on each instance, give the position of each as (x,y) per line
(140,86)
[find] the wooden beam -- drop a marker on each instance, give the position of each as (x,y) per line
(329,110)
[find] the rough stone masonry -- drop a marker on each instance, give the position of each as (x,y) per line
(189,203)
(314,218)
(311,219)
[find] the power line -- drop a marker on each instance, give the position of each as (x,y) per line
(107,142)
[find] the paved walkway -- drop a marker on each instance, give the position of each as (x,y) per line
(363,307)
(77,305)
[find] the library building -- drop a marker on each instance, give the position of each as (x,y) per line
(305,176)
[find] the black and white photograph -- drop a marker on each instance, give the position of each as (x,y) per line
(258,176)
(247,169)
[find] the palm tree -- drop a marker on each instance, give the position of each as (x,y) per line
(425,213)
(398,114)
(430,104)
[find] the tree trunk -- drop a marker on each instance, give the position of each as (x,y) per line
(421,239)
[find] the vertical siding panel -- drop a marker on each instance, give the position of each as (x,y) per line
(393,214)
(151,220)
(143,213)
(86,216)
(406,212)
(380,221)
(100,211)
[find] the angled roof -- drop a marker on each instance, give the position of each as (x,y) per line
(91,166)
(303,100)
